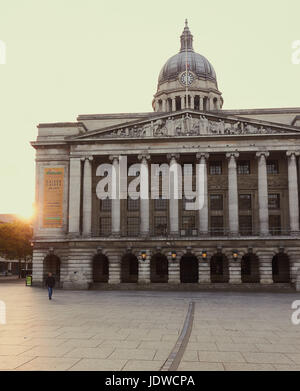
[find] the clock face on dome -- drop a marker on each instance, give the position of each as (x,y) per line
(187,78)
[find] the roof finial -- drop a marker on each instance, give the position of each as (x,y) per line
(186,23)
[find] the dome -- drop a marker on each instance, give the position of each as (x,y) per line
(186,57)
(197,63)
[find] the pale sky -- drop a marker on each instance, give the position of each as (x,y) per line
(70,57)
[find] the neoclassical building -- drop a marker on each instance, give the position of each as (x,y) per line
(247,229)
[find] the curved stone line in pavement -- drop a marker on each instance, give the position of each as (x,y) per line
(173,361)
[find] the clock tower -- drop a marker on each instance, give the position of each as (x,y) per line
(187,80)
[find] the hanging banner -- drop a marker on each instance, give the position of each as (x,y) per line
(53,197)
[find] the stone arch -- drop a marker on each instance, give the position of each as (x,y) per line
(51,264)
(250,268)
(219,268)
(129,268)
(178,103)
(215,103)
(189,268)
(197,102)
(159,268)
(100,267)
(281,268)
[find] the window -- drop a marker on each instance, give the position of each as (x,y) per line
(186,201)
(105,226)
(243,167)
(272,167)
(216,225)
(245,225)
(160,204)
(106,204)
(133,204)
(133,226)
(160,225)
(188,223)
(274,201)
(245,202)
(215,168)
(274,224)
(216,202)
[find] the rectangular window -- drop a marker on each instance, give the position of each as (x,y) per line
(274,224)
(216,225)
(133,204)
(105,204)
(160,225)
(274,201)
(243,167)
(160,204)
(133,226)
(215,168)
(245,202)
(105,226)
(188,224)
(272,167)
(216,202)
(245,225)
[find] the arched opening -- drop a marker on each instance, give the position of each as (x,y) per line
(169,104)
(100,268)
(51,264)
(159,105)
(219,270)
(159,268)
(189,270)
(281,268)
(197,102)
(205,100)
(129,268)
(178,103)
(250,268)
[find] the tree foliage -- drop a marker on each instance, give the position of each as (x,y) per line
(15,240)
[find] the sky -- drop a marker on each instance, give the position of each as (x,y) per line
(71,57)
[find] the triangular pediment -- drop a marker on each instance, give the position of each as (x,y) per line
(188,123)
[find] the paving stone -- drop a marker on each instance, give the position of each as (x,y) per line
(220,357)
(268,348)
(143,365)
(90,352)
(127,354)
(248,367)
(234,347)
(265,358)
(200,366)
(48,364)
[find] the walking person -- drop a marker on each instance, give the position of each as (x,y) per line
(50,283)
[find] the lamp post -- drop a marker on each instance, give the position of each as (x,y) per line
(173,255)
(204,255)
(144,255)
(235,254)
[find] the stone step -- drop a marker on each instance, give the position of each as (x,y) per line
(245,287)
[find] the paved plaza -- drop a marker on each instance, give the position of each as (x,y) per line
(137,330)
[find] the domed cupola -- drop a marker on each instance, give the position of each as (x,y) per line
(187,80)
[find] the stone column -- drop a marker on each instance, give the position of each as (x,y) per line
(173,269)
(233,194)
(294,258)
(144,269)
(293,192)
(234,264)
(202,178)
(204,268)
(144,196)
(183,102)
(114,268)
(74,196)
(173,201)
(173,104)
(164,105)
(156,105)
(87,197)
(115,202)
(265,266)
(192,102)
(263,193)
(201,103)
(211,103)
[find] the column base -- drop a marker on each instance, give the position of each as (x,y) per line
(235,281)
(75,285)
(174,282)
(144,281)
(114,282)
(295,233)
(115,234)
(266,281)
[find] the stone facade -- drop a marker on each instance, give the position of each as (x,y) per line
(247,229)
